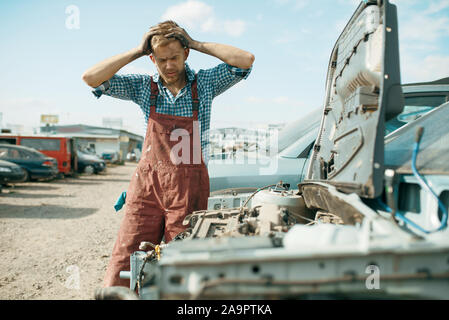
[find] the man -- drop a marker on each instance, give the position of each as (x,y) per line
(169,182)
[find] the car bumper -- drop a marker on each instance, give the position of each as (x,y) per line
(12,177)
(44,173)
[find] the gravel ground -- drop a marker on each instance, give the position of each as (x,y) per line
(56,237)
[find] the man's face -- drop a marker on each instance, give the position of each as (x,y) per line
(169,60)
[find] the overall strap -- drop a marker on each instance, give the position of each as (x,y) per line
(153,96)
(195,99)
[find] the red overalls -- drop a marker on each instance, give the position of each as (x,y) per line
(161,193)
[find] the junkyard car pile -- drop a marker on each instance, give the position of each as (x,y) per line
(19,163)
(369,218)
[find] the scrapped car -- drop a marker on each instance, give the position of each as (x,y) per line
(369,220)
(60,148)
(249,171)
(285,161)
(419,98)
(89,163)
(131,156)
(110,156)
(10,173)
(36,165)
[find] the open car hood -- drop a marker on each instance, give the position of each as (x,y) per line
(362,91)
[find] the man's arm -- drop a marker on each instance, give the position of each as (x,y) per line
(231,55)
(104,70)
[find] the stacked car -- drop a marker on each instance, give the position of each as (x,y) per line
(89,163)
(19,163)
(35,165)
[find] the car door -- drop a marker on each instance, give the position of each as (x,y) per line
(13,155)
(28,160)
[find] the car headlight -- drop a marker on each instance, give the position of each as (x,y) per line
(5,169)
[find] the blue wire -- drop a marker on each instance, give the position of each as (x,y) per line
(402,217)
(425,186)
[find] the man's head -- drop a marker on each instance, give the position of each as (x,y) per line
(168,53)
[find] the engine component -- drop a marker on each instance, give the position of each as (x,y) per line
(275,204)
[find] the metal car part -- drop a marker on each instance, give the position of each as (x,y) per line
(363,87)
(333,237)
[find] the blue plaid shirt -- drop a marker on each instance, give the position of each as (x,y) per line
(211,83)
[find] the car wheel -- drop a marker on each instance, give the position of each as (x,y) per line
(89,169)
(27,176)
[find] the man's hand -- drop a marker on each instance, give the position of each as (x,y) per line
(231,55)
(145,46)
(182,35)
(104,70)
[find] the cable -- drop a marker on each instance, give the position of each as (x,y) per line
(424,185)
(280,185)
(422,182)
(254,193)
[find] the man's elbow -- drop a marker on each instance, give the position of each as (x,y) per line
(88,79)
(249,60)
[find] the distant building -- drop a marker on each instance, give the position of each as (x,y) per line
(235,138)
(99,139)
(116,123)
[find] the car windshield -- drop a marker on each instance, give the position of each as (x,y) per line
(33,153)
(293,132)
(414,108)
(433,148)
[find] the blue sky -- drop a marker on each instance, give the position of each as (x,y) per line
(42,59)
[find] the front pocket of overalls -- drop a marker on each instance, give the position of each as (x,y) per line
(139,190)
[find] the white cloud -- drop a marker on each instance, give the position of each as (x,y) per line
(235,27)
(430,68)
(423,34)
(191,14)
(199,16)
(424,28)
(436,7)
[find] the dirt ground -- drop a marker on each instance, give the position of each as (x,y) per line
(56,237)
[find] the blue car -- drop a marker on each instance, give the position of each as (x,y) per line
(10,173)
(36,165)
(90,163)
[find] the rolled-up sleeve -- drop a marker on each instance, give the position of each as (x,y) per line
(126,87)
(222,77)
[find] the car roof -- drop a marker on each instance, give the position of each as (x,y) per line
(439,81)
(437,86)
(15,146)
(7,163)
